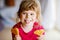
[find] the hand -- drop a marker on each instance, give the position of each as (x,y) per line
(17,37)
(42,37)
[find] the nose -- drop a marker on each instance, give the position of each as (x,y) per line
(27,16)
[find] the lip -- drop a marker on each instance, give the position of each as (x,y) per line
(27,21)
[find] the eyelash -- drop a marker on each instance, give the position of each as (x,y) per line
(24,13)
(31,14)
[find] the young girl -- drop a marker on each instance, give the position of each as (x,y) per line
(28,28)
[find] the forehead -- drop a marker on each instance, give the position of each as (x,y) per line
(29,11)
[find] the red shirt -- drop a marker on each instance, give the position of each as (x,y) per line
(30,35)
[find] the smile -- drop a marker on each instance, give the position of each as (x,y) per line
(27,21)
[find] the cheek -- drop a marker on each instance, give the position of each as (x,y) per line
(22,17)
(34,17)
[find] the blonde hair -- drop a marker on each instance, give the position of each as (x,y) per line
(30,5)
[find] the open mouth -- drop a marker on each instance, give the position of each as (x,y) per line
(27,21)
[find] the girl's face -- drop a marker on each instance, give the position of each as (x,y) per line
(28,17)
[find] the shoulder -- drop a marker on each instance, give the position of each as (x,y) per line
(38,26)
(17,25)
(15,29)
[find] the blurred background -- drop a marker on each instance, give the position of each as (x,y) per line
(50,14)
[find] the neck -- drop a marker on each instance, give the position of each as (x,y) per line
(27,28)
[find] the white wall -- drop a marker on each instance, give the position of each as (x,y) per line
(2,3)
(9,14)
(58,14)
(49,15)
